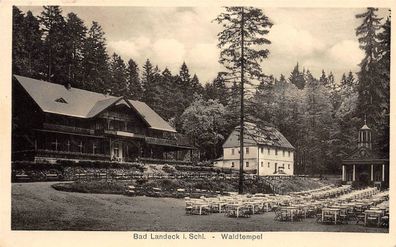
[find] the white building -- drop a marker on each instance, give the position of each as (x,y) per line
(266,150)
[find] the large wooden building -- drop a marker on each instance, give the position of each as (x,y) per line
(52,122)
(266,150)
(364,165)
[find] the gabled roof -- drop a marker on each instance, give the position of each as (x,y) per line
(82,103)
(266,135)
(363,155)
(101,105)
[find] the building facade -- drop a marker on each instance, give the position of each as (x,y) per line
(52,122)
(364,165)
(266,151)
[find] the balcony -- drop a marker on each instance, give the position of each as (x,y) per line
(178,141)
(122,133)
(53,154)
(70,155)
(66,128)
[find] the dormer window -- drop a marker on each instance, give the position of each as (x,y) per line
(61,100)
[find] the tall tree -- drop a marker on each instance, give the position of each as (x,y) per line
(95,60)
(373,91)
(323,78)
(118,73)
(185,77)
(217,89)
(134,86)
(241,44)
(297,77)
(18,41)
(149,84)
(75,38)
(384,39)
(196,86)
(33,45)
(53,26)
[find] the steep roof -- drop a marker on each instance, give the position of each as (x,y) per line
(74,102)
(266,135)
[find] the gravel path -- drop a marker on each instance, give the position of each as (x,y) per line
(37,206)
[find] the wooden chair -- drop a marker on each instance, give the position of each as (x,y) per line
(385,221)
(360,218)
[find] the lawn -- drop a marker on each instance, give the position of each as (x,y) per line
(37,206)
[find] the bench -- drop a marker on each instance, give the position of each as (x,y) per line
(51,176)
(22,177)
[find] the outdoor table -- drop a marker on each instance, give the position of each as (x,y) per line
(290,210)
(200,205)
(376,213)
(219,204)
(235,207)
(253,205)
(331,211)
(379,209)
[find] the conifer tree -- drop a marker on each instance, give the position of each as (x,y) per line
(242,42)
(95,60)
(75,38)
(53,26)
(118,73)
(134,86)
(297,77)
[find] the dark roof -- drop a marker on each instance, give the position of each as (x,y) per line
(266,135)
(82,103)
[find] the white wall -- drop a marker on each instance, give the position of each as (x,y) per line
(263,157)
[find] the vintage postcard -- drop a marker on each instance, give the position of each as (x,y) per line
(129,123)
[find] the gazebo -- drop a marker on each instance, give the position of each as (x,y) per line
(364,165)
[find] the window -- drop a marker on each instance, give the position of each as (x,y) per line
(116,150)
(61,100)
(262,164)
(81,146)
(68,145)
(276,151)
(247,150)
(283,153)
(247,164)
(289,153)
(55,144)
(269,151)
(232,164)
(262,150)
(232,151)
(288,166)
(269,164)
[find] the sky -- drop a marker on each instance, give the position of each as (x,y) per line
(316,38)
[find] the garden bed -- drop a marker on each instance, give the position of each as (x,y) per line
(175,188)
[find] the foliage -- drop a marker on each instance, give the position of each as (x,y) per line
(203,121)
(320,117)
(373,87)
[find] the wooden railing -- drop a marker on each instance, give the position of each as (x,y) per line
(178,141)
(164,161)
(70,155)
(50,126)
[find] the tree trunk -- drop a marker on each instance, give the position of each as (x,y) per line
(242,106)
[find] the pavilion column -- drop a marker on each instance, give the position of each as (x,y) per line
(383,172)
(372,173)
(343,173)
(354,173)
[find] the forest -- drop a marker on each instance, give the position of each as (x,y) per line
(319,116)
